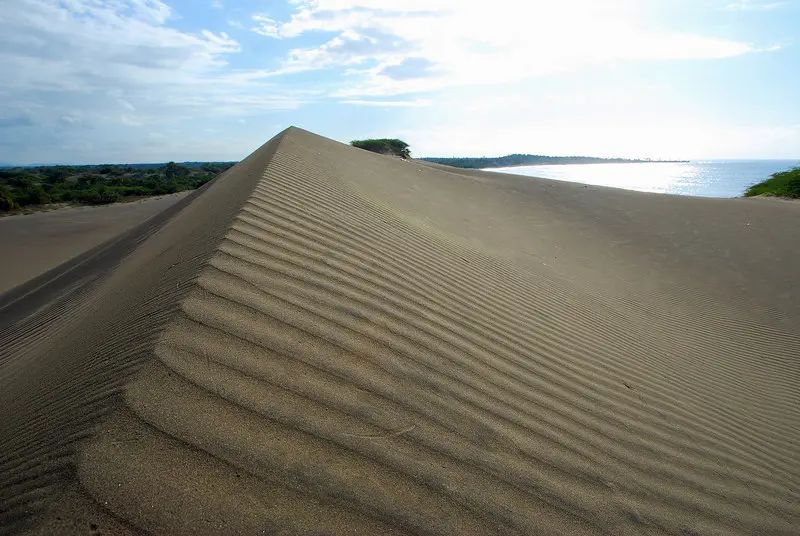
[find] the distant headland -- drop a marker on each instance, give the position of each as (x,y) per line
(396,147)
(512,160)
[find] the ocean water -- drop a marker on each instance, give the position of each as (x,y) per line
(705,178)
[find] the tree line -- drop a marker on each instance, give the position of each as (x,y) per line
(94,185)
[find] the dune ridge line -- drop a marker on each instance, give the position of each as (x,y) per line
(326,340)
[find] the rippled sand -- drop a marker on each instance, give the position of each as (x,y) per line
(325,340)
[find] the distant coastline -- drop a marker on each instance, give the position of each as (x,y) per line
(709,178)
(515,160)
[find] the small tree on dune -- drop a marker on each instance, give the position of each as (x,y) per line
(390,146)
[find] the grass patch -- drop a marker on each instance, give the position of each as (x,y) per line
(781,184)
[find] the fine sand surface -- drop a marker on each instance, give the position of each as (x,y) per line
(43,240)
(328,341)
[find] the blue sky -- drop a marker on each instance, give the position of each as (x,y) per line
(89,81)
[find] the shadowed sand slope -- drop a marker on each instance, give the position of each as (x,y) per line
(44,240)
(325,340)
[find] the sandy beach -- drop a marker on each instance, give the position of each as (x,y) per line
(324,340)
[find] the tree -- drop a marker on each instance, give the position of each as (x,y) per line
(173,171)
(6,199)
(390,146)
(33,194)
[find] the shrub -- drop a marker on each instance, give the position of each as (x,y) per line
(98,196)
(56,174)
(781,184)
(173,171)
(384,146)
(33,194)
(6,200)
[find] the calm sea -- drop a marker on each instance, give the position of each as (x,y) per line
(706,178)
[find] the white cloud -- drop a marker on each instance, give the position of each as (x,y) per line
(69,119)
(466,43)
(108,71)
(127,105)
(102,55)
(131,120)
(413,103)
(120,69)
(640,119)
(265,26)
(753,5)
(84,44)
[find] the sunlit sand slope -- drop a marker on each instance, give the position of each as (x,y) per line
(356,344)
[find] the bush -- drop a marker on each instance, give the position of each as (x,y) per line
(23,180)
(6,200)
(98,196)
(33,194)
(781,184)
(96,185)
(384,146)
(89,179)
(173,171)
(56,174)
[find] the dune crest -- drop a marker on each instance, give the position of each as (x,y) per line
(325,340)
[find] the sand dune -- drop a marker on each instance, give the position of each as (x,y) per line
(325,340)
(44,240)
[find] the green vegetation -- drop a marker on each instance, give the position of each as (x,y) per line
(96,185)
(528,160)
(384,146)
(781,184)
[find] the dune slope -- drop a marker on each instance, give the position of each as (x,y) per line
(325,340)
(45,240)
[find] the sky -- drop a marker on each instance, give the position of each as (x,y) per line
(107,81)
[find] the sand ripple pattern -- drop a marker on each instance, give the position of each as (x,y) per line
(340,367)
(359,375)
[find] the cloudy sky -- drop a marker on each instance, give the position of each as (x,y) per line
(89,81)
